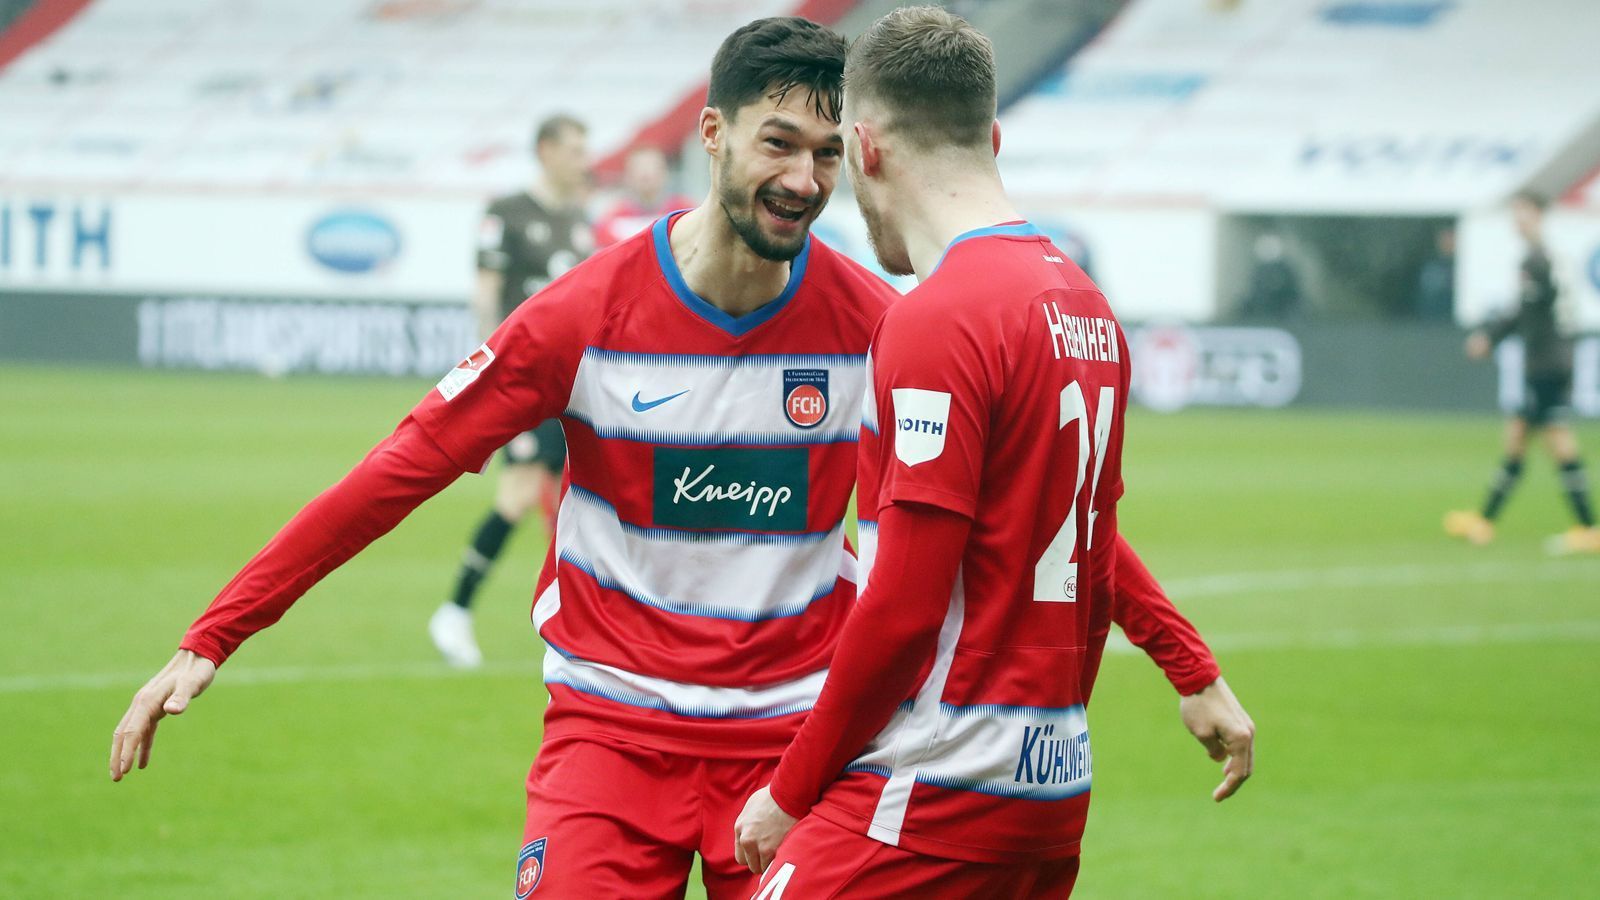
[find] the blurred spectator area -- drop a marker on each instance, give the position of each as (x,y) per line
(411,95)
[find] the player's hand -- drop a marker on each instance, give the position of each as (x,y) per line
(758,831)
(167,694)
(1478,345)
(1221,725)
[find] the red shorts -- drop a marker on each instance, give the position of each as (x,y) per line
(608,819)
(821,860)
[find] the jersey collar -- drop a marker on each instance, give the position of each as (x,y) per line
(1009,229)
(738,326)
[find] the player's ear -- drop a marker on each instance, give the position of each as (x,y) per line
(994,136)
(869,149)
(711,129)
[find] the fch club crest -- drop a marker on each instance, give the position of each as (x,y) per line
(530,867)
(805,396)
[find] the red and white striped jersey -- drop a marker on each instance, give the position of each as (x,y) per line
(700,573)
(998,392)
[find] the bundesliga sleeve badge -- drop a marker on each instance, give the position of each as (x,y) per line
(805,396)
(465,373)
(530,867)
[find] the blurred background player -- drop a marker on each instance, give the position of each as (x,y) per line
(1546,398)
(526,240)
(645,197)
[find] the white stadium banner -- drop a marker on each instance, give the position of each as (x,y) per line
(295,245)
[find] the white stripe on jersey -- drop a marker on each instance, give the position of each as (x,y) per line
(918,731)
(869,402)
(722,575)
(1026,752)
(696,700)
(867,537)
(711,400)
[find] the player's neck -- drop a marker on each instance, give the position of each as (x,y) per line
(935,213)
(718,265)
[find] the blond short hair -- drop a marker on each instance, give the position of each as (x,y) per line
(931,71)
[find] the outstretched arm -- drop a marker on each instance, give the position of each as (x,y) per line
(395,478)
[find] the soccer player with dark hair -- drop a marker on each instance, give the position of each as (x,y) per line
(948,753)
(1547,392)
(526,240)
(709,374)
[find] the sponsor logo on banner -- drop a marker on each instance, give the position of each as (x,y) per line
(353,241)
(1388,154)
(465,373)
(1389,14)
(277,337)
(920,420)
(44,238)
(1174,367)
(805,396)
(747,489)
(530,867)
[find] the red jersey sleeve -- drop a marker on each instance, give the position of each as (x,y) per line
(934,404)
(1150,621)
(520,377)
(884,652)
(395,478)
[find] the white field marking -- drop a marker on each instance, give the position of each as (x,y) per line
(1402,575)
(1582,631)
(245,675)
(1282,581)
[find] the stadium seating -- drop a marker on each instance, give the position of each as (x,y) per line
(1312,105)
(314,94)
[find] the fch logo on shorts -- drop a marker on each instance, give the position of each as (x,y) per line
(530,867)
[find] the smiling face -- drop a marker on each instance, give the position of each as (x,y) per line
(777,164)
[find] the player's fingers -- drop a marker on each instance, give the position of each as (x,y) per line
(738,847)
(1237,769)
(116,754)
(1214,747)
(135,728)
(1233,776)
(149,744)
(752,856)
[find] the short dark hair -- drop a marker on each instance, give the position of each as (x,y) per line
(1532,198)
(771,57)
(932,70)
(553,126)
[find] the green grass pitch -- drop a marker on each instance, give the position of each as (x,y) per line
(1427,711)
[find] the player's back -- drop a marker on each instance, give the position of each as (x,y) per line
(1001,384)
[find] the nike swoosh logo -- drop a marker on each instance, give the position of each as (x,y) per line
(646,406)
